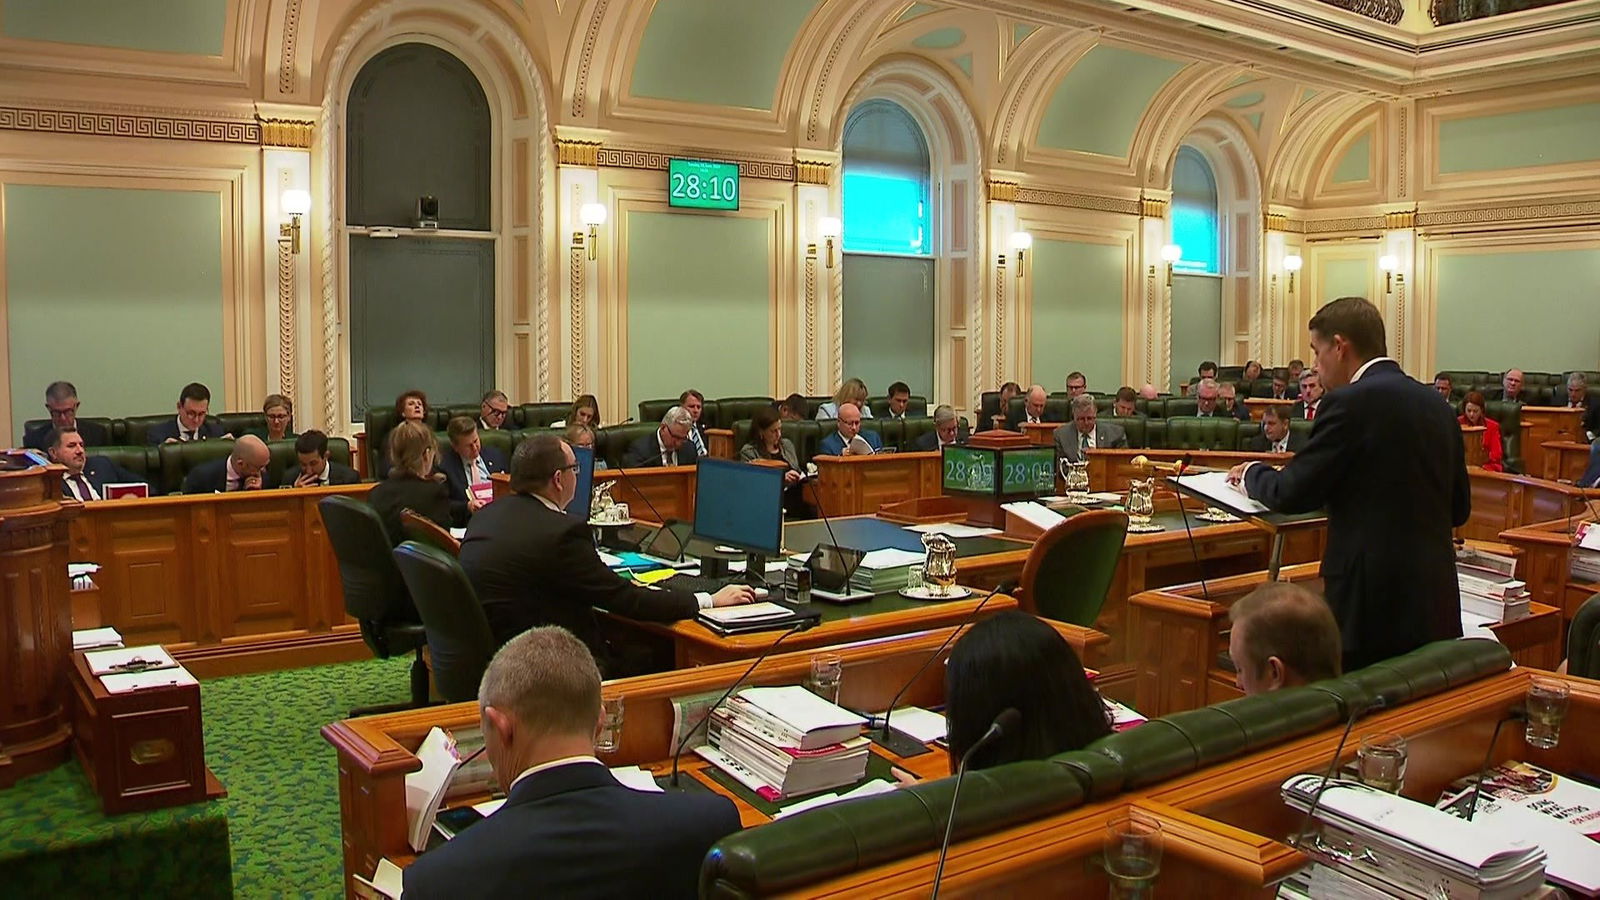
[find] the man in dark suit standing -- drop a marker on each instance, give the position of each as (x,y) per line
(315,468)
(61,402)
(1275,436)
(244,469)
(669,446)
(191,423)
(532,564)
(466,463)
(86,476)
(1386,461)
(568,827)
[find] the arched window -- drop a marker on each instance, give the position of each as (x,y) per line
(886,178)
(1194,213)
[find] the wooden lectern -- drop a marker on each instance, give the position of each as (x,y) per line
(35,617)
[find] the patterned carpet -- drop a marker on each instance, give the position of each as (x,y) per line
(263,742)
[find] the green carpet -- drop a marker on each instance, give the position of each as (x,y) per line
(263,741)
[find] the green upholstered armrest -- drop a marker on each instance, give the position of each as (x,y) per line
(1426,670)
(1267,719)
(178,458)
(1152,752)
(1583,638)
(845,837)
(1195,433)
(142,460)
(1100,775)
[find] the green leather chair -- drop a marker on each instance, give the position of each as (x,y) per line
(142,460)
(914,428)
(651,411)
(735,409)
(1155,434)
(285,458)
(178,458)
(539,415)
(611,443)
(240,424)
(380,420)
(916,406)
(805,435)
(1070,567)
(1509,415)
(459,640)
(1583,640)
(1136,427)
(1177,407)
(115,428)
(1209,433)
(1154,409)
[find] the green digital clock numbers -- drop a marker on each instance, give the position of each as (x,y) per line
(702,184)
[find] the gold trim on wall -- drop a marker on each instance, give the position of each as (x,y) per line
(808,171)
(291,133)
(576,265)
(286,323)
(1151,208)
(109,123)
(1398,220)
(1002,191)
(577,153)
(749,167)
(1072,200)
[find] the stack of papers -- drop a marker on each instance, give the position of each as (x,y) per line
(1490,593)
(875,786)
(1036,514)
(761,616)
(885,570)
(125,669)
(1562,816)
(921,724)
(1122,717)
(953,530)
(786,741)
(81,575)
(1586,555)
(426,787)
(96,638)
(1214,486)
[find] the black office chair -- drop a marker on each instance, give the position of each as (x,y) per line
(459,641)
(374,594)
(1583,640)
(1070,567)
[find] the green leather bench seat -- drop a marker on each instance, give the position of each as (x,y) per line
(736,409)
(1196,433)
(116,429)
(177,459)
(1136,427)
(142,460)
(540,415)
(846,837)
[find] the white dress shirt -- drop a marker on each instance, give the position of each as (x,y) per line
(186,434)
(80,487)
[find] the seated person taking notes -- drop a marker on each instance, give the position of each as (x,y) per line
(244,469)
(86,476)
(194,401)
(315,469)
(843,441)
(466,463)
(568,827)
(1282,636)
(669,446)
(1085,432)
(532,564)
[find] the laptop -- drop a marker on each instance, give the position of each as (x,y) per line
(831,570)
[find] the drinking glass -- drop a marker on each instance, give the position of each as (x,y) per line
(610,736)
(1547,707)
(1381,762)
(1133,856)
(827,669)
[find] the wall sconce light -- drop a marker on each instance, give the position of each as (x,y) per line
(830,228)
(1292,264)
(1022,242)
(296,203)
(593,215)
(1170,254)
(1388,263)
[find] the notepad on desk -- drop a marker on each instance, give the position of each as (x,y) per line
(129,659)
(1214,486)
(125,683)
(96,638)
(749,612)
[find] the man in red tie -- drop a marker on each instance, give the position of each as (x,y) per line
(1310,396)
(86,476)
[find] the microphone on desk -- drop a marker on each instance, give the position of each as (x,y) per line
(677,752)
(903,744)
(622,472)
(1005,723)
(1517,713)
(1299,839)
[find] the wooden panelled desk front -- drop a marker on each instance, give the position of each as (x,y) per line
(1546,561)
(229,583)
(1566,460)
(1503,501)
(1472,445)
(859,485)
(1541,424)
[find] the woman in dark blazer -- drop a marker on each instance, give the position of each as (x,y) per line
(767,442)
(411,483)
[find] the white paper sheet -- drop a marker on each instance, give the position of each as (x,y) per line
(875,786)
(76,569)
(1036,514)
(428,785)
(953,530)
(891,558)
(637,779)
(746,612)
(922,724)
(102,662)
(1215,486)
(92,638)
(138,681)
(458,533)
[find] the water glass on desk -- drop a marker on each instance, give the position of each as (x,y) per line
(610,736)
(1547,707)
(1381,762)
(827,670)
(1133,856)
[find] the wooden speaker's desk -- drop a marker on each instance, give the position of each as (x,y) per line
(1472,445)
(1502,501)
(1111,470)
(376,752)
(859,485)
(1179,638)
(1542,424)
(1546,562)
(1566,460)
(229,583)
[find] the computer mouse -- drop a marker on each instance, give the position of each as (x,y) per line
(759,593)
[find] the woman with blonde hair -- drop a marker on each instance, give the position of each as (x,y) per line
(585,411)
(854,390)
(411,483)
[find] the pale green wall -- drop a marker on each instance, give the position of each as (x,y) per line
(1077,313)
(721,52)
(1346,278)
(699,300)
(1356,164)
(170,26)
(1535,137)
(888,322)
(118,291)
(1196,324)
(1098,104)
(1534,310)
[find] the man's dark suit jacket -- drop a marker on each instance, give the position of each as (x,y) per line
(574,832)
(1014,423)
(210,477)
(93,433)
(1262,444)
(455,475)
(1298,411)
(1385,460)
(159,434)
(338,473)
(929,440)
(534,566)
(423,496)
(646,452)
(101,471)
(1591,414)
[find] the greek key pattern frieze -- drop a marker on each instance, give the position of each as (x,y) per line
(630,158)
(1069,200)
(108,124)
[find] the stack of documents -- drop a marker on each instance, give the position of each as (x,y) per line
(1403,848)
(786,741)
(1487,592)
(748,617)
(81,575)
(885,570)
(127,669)
(1559,814)
(96,638)
(1586,555)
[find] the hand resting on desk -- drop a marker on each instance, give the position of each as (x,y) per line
(733,595)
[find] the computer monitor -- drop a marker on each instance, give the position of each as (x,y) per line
(583,495)
(739,504)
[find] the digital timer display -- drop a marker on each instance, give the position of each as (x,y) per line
(1005,472)
(702,184)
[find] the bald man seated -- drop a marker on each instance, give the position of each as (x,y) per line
(1032,408)
(244,469)
(1283,636)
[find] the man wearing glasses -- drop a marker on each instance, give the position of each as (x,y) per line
(61,401)
(495,413)
(670,445)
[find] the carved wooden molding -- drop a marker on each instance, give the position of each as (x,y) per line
(286,329)
(127,124)
(807,171)
(749,167)
(1071,200)
(811,318)
(1400,318)
(1151,208)
(1399,220)
(1002,191)
(292,133)
(291,32)
(1000,315)
(1355,223)
(591,36)
(578,153)
(1150,326)
(576,265)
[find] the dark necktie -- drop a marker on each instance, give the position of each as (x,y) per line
(85,492)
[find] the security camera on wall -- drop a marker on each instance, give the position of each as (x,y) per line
(427,212)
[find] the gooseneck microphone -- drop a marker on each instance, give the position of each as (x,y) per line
(1518,714)
(1299,839)
(902,744)
(677,752)
(1005,723)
